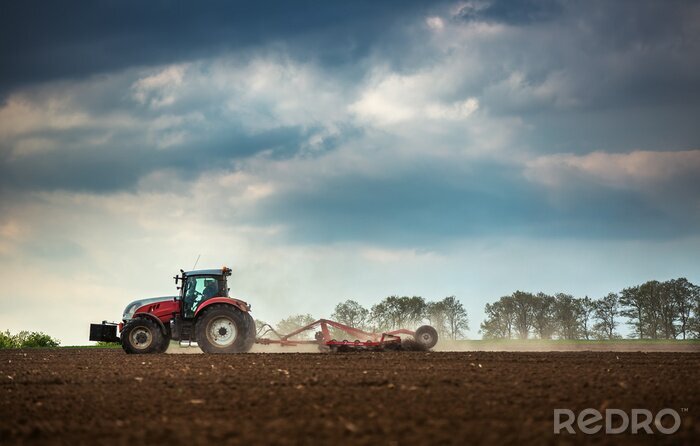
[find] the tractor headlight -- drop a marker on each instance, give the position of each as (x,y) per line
(130,310)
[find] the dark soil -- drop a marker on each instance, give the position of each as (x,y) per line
(94,396)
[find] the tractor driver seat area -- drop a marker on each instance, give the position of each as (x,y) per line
(211,289)
(191,298)
(198,289)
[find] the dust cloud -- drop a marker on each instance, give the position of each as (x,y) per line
(176,349)
(534,345)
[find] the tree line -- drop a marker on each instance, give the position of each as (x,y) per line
(654,310)
(447,316)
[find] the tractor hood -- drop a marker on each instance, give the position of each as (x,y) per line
(133,306)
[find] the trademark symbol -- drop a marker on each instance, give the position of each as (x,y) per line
(684,409)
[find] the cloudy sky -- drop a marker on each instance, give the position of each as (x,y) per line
(336,150)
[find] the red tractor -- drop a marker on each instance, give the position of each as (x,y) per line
(204,313)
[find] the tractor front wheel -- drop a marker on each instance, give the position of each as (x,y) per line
(141,335)
(224,329)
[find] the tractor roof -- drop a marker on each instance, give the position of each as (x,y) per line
(209,272)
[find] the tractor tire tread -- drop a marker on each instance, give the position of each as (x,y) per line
(156,344)
(243,341)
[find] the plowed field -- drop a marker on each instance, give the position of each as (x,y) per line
(103,396)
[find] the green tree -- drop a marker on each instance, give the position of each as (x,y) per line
(694,320)
(605,313)
(524,307)
(351,313)
(634,309)
(435,312)
(379,317)
(396,312)
(36,339)
(668,310)
(651,293)
(682,292)
(500,319)
(567,314)
(456,318)
(586,310)
(7,340)
(293,323)
(544,320)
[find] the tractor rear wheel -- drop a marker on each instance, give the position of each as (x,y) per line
(223,329)
(252,333)
(426,336)
(141,335)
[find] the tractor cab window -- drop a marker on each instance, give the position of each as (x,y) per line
(197,290)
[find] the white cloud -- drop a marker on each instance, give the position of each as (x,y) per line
(455,111)
(159,89)
(20,115)
(391,98)
(274,91)
(11,233)
(622,170)
(435,23)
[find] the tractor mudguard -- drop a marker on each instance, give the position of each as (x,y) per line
(153,318)
(241,305)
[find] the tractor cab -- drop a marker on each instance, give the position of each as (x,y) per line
(199,286)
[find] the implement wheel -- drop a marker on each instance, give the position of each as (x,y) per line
(141,335)
(224,329)
(426,336)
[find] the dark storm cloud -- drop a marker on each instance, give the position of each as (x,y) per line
(613,76)
(610,54)
(516,12)
(121,164)
(619,130)
(440,202)
(607,76)
(41,41)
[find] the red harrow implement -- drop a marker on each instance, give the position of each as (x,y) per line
(425,336)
